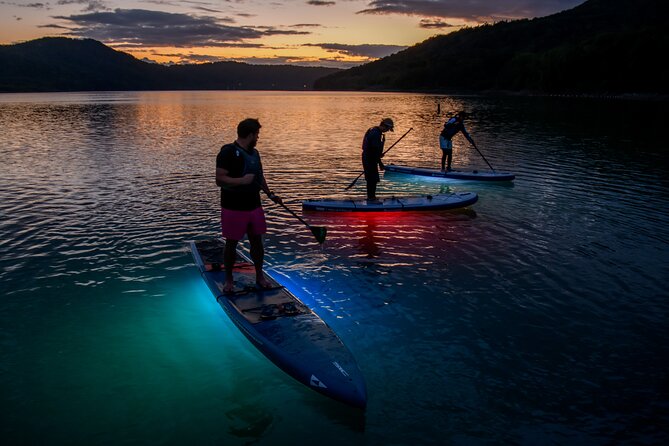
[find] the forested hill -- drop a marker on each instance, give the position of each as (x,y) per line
(598,47)
(63,64)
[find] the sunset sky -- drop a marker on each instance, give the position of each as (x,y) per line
(337,33)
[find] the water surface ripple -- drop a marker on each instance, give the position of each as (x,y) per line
(536,316)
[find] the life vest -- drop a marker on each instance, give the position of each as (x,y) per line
(251,163)
(451,127)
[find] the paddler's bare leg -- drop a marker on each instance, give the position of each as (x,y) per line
(258,256)
(229,257)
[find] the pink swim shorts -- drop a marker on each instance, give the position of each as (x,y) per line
(234,224)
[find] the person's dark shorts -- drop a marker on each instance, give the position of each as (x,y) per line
(445,144)
(234,224)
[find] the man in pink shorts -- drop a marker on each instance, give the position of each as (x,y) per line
(240,176)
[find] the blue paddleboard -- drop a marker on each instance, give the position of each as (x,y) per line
(283,328)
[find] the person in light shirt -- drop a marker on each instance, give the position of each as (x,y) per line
(451,128)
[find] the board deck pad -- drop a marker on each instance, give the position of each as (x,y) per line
(254,303)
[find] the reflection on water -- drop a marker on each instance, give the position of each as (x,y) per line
(369,242)
(246,422)
(537,315)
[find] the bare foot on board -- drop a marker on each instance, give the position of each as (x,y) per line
(261,282)
(228,288)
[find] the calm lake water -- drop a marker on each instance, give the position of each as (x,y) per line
(536,316)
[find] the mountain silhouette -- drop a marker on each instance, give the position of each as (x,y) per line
(64,64)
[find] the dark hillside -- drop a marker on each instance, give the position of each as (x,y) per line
(601,46)
(62,64)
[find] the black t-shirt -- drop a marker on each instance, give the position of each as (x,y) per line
(238,162)
(372,144)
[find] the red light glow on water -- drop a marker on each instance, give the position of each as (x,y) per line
(398,234)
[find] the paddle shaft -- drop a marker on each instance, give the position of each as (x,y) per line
(319,232)
(477,149)
(295,215)
(314,230)
(400,139)
(386,151)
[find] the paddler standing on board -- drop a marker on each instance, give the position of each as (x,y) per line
(240,176)
(372,152)
(451,128)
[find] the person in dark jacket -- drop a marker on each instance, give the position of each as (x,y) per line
(451,128)
(372,152)
(240,176)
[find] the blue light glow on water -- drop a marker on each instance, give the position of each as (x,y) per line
(536,316)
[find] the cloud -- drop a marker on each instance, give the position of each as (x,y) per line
(53,25)
(179,58)
(299,61)
(202,8)
(156,28)
(320,3)
(135,47)
(470,10)
(369,51)
(91,5)
(182,58)
(278,60)
(200,58)
(274,31)
(179,3)
(305,25)
(434,24)
(27,5)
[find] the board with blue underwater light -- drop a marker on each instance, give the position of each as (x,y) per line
(282,327)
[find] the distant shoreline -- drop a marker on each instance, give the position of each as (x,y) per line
(660,97)
(654,97)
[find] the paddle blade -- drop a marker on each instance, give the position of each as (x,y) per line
(319,232)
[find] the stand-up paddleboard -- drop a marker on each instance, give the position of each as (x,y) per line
(408,203)
(475,175)
(283,328)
